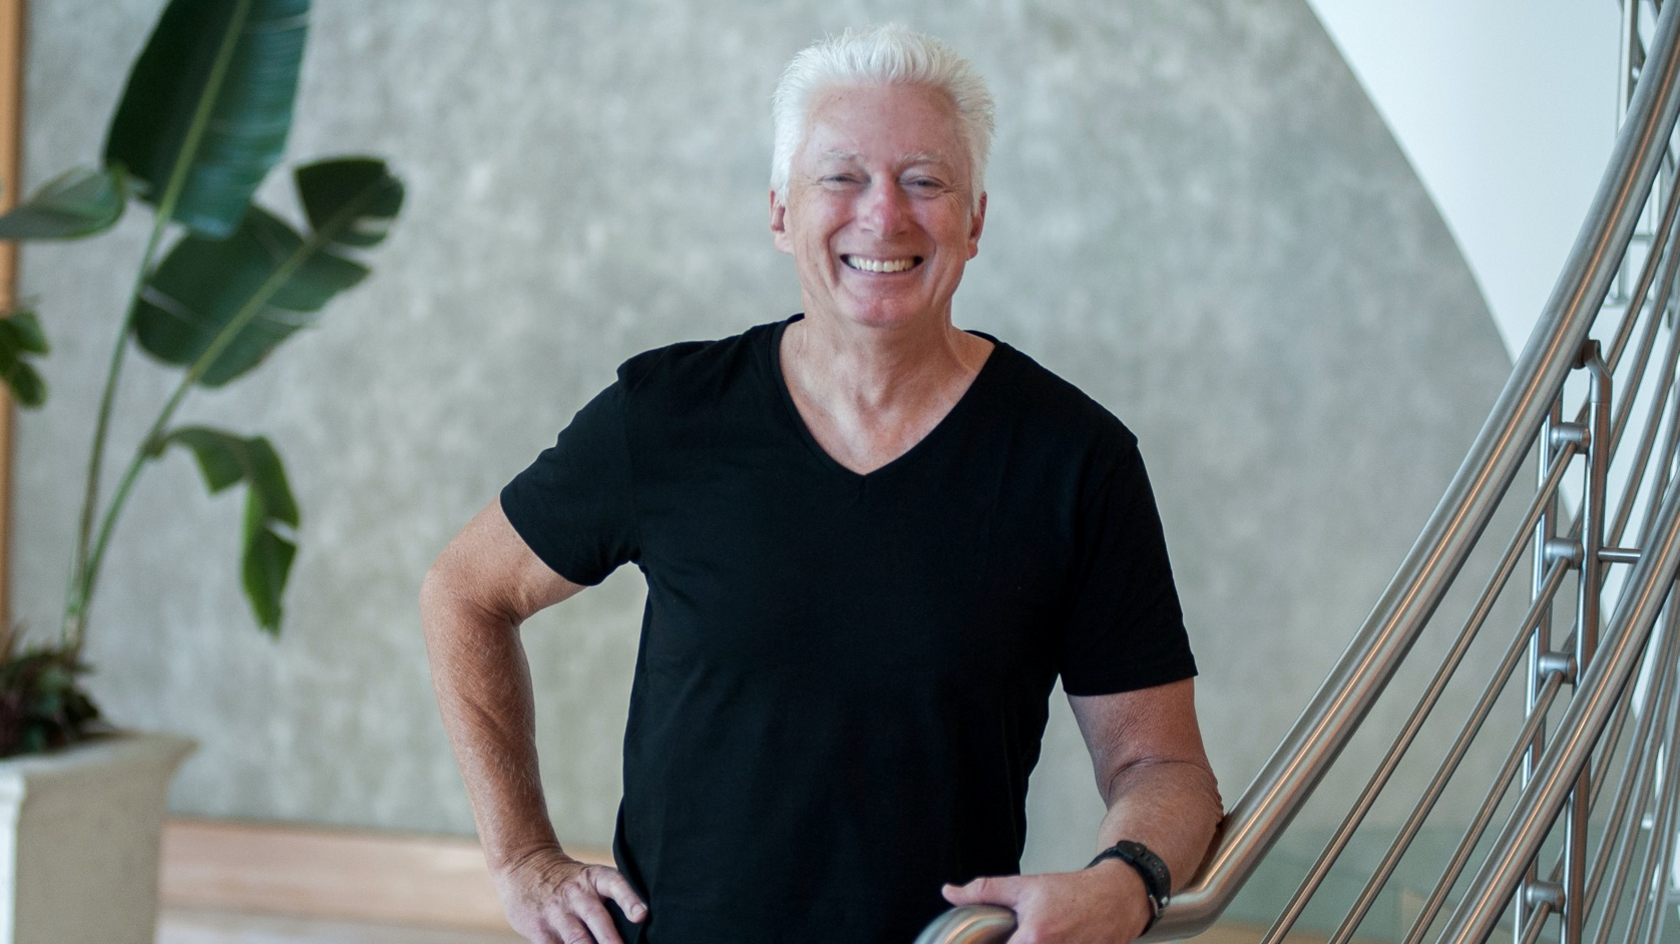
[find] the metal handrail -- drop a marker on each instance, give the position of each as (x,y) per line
(1600,664)
(1400,615)
(970,924)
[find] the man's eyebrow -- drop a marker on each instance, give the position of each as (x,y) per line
(920,157)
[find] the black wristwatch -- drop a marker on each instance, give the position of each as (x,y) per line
(1157,880)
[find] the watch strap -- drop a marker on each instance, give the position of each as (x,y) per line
(1157,879)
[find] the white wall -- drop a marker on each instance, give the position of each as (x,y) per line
(1506,109)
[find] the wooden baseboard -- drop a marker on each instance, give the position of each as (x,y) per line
(349,875)
(372,877)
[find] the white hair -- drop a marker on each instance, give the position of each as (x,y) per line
(885,55)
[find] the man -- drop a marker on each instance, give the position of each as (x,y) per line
(872,543)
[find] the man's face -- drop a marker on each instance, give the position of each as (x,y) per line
(878,210)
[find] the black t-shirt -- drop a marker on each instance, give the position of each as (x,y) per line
(843,679)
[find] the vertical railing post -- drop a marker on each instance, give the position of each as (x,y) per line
(1627,69)
(1539,641)
(1552,437)
(1587,620)
(1630,60)
(1585,553)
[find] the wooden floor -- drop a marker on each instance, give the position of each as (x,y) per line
(193,926)
(190,926)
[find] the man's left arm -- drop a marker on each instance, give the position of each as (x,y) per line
(1153,772)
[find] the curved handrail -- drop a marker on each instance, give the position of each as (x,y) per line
(1353,686)
(1436,559)
(970,924)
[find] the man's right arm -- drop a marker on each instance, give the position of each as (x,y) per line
(484,585)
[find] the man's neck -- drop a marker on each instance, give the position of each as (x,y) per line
(869,396)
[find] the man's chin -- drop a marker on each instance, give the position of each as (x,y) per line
(890,318)
(887,310)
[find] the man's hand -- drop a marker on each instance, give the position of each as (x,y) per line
(1104,904)
(552,898)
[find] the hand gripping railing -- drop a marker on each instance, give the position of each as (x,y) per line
(1608,694)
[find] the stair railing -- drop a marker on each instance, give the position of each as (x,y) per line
(1588,835)
(1586,687)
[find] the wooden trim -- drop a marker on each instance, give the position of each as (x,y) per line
(347,875)
(222,866)
(13,17)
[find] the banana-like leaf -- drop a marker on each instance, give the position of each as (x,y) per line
(263,568)
(239,59)
(271,514)
(205,285)
(359,186)
(79,203)
(21,335)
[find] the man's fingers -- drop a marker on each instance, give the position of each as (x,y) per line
(600,924)
(567,929)
(986,890)
(552,898)
(610,883)
(583,907)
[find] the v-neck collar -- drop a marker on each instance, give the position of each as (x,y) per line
(953,418)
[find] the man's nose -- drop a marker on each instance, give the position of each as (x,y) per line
(885,208)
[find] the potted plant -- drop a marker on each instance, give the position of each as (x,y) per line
(221,283)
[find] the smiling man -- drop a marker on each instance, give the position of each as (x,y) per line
(873,542)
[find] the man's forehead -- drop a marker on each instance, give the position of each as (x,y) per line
(884,105)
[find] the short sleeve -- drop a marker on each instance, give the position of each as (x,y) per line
(1125,628)
(574,506)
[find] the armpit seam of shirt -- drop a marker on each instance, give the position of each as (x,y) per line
(630,463)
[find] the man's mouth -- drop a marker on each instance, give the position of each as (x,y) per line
(881,266)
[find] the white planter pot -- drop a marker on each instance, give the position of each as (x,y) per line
(79,831)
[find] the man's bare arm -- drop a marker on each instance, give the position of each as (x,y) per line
(483,586)
(1153,774)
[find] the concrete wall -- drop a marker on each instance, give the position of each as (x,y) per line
(1196,215)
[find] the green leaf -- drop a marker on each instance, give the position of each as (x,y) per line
(24,381)
(25,327)
(204,284)
(250,102)
(263,569)
(271,513)
(361,188)
(221,457)
(321,276)
(21,335)
(79,203)
(267,476)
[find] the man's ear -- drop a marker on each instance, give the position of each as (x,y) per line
(975,226)
(778,223)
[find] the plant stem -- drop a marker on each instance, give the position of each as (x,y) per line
(86,568)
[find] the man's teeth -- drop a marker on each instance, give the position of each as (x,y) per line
(879,265)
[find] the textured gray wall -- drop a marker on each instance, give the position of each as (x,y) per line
(1195,215)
